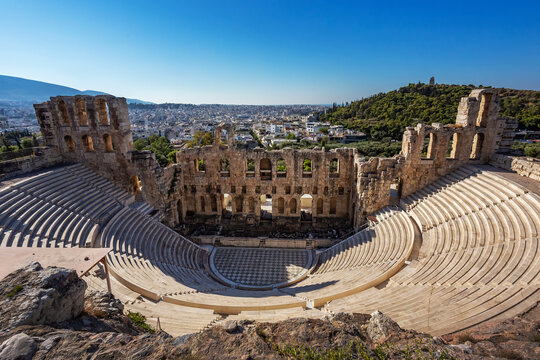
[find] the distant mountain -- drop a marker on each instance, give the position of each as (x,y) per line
(15,89)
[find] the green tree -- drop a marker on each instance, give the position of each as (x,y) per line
(323,130)
(306,165)
(27,143)
(201,138)
(290,136)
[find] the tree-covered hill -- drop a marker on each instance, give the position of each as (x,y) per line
(387,114)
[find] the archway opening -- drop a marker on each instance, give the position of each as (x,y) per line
(306,207)
(292,206)
(334,168)
(239,203)
(226,206)
(306,168)
(281,206)
(281,168)
(80,106)
(107,142)
(265,169)
(320,206)
(70,144)
(88,143)
(203,204)
(224,168)
(478,143)
(134,185)
(266,207)
(483,112)
(453,144)
(103,112)
(332,206)
(428,147)
(64,112)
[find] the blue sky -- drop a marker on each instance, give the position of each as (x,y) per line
(269,52)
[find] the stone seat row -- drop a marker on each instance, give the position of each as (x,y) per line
(54,209)
(175,319)
(135,234)
(376,254)
(478,266)
(383,241)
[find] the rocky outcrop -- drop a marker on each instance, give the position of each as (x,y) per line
(33,295)
(102,331)
(18,347)
(381,326)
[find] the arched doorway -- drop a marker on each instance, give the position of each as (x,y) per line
(306,206)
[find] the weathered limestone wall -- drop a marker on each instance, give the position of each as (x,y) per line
(223,185)
(248,176)
(45,157)
(475,136)
(93,130)
(524,166)
(160,187)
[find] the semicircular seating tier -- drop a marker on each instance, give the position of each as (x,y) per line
(479,259)
(460,251)
(61,207)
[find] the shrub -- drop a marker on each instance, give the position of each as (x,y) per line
(17,289)
(139,320)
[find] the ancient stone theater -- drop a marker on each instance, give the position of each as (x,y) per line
(439,240)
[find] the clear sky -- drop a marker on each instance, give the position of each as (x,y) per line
(269,52)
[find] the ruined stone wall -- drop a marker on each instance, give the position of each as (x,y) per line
(228,186)
(93,130)
(524,166)
(431,151)
(44,157)
(213,173)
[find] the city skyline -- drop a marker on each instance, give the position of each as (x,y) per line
(271,52)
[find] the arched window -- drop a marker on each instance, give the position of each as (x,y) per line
(265,169)
(281,205)
(64,114)
(453,144)
(281,168)
(306,206)
(224,168)
(478,143)
(483,112)
(179,210)
(70,144)
(250,167)
(203,204)
(80,107)
(333,206)
(320,207)
(428,149)
(306,168)
(213,202)
(334,168)
(251,203)
(88,144)
(292,206)
(266,206)
(107,142)
(199,165)
(134,184)
(239,204)
(226,205)
(103,111)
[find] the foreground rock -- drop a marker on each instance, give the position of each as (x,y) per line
(33,295)
(96,328)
